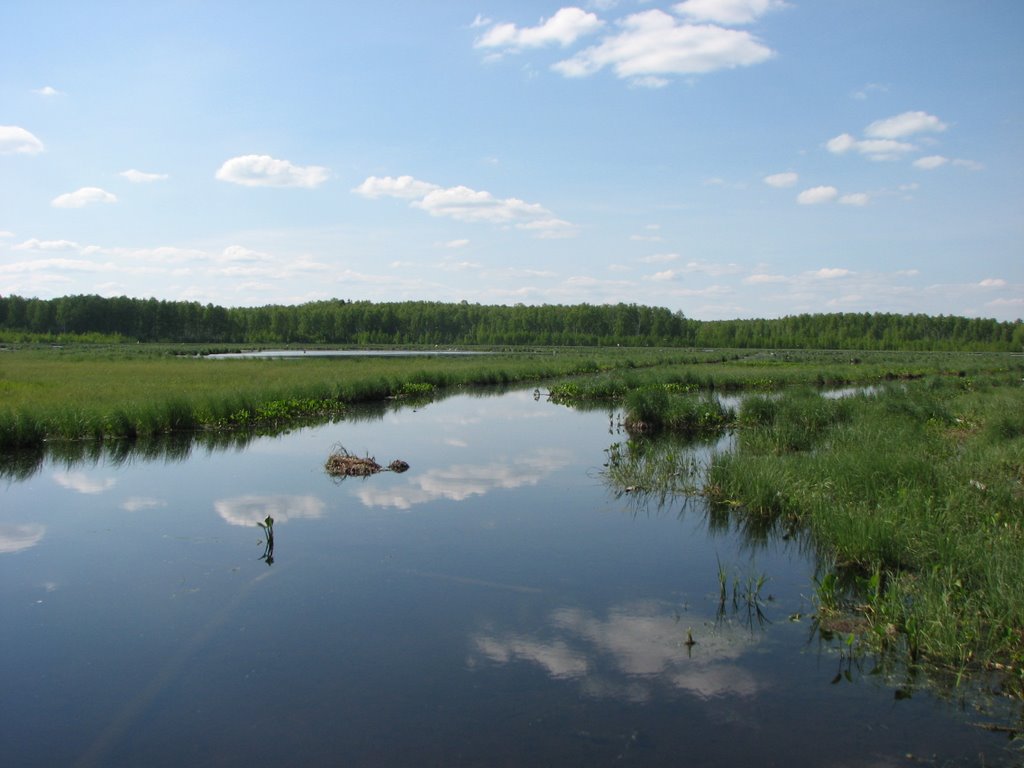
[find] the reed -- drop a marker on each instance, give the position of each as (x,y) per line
(110,391)
(922,483)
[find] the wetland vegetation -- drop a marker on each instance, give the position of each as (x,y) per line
(908,489)
(909,494)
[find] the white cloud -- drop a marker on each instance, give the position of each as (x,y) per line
(868,89)
(761,279)
(460,243)
(15,140)
(727,11)
(141,177)
(831,273)
(816,195)
(468,205)
(659,258)
(931,162)
(266,171)
(652,44)
(83,197)
(403,187)
(971,165)
(781,180)
(875,149)
(993,282)
(855,198)
(46,90)
(240,254)
(34,244)
(564,28)
(5,233)
(903,125)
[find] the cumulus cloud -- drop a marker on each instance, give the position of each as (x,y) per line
(83,197)
(781,180)
(761,279)
(405,187)
(993,282)
(239,253)
(931,162)
(468,205)
(653,44)
(874,149)
(868,89)
(15,140)
(564,28)
(855,198)
(727,11)
(884,138)
(903,125)
(46,90)
(141,177)
(266,171)
(831,273)
(816,195)
(971,165)
(659,258)
(34,244)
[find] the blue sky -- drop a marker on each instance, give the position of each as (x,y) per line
(725,158)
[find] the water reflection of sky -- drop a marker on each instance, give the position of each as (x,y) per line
(523,612)
(16,537)
(251,510)
(459,482)
(629,652)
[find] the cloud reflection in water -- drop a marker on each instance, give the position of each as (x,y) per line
(15,537)
(631,653)
(82,483)
(253,509)
(462,481)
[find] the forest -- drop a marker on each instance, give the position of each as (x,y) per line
(343,322)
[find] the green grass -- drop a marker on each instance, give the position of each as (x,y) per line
(912,498)
(130,391)
(909,494)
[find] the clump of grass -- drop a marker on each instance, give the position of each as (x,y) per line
(925,496)
(654,409)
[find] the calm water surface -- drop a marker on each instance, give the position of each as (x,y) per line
(496,605)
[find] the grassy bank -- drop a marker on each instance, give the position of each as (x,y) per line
(911,495)
(129,391)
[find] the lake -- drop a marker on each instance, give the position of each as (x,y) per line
(495,605)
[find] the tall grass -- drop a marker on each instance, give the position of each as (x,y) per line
(922,483)
(909,494)
(125,392)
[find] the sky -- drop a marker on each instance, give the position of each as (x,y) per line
(722,158)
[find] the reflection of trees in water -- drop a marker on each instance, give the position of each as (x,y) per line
(179,446)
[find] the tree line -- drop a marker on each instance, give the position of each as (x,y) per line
(422,322)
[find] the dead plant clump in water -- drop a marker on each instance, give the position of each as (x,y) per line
(341,463)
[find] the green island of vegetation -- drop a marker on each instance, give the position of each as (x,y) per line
(908,489)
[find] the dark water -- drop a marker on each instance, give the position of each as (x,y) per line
(496,605)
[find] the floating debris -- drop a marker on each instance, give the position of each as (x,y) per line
(341,463)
